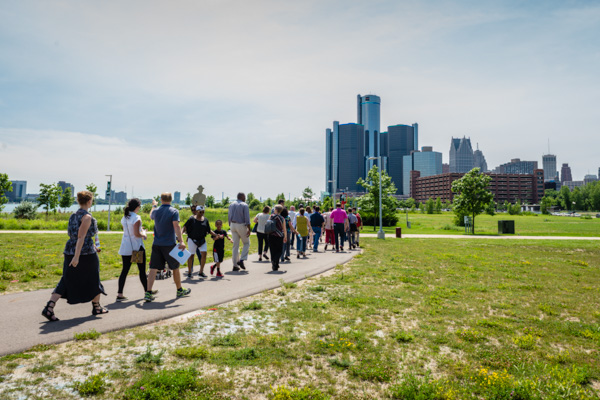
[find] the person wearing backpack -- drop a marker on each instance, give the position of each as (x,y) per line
(277,231)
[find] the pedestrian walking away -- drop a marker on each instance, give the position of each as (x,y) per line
(132,248)
(340,226)
(303,229)
(352,222)
(166,231)
(278,237)
(329,239)
(285,254)
(359,227)
(197,227)
(219,248)
(308,214)
(239,223)
(80,281)
(292,213)
(260,220)
(317,223)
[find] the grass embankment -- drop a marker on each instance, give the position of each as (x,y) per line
(410,319)
(31,262)
(60,221)
(441,224)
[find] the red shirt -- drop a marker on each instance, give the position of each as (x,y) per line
(359,223)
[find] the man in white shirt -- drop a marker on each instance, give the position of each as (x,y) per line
(292,214)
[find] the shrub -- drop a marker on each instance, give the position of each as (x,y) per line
(305,393)
(255,305)
(172,385)
(150,359)
(403,337)
(89,335)
(92,386)
(193,352)
(26,210)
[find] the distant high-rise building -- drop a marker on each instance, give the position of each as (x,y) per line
(479,160)
(19,191)
(401,142)
(549,165)
(589,178)
(565,173)
(369,115)
(64,185)
(426,161)
(119,197)
(517,166)
(345,155)
(177,197)
(461,155)
(573,184)
(445,168)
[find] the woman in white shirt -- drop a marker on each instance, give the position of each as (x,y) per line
(133,240)
(261,219)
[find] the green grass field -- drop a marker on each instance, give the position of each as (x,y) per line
(407,319)
(35,261)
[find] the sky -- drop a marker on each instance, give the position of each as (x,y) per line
(236,95)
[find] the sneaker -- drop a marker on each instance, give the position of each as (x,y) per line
(154,291)
(241,264)
(325,248)
(148,297)
(236,268)
(265,256)
(183,292)
(202,275)
(188,273)
(287,259)
(259,258)
(219,274)
(120,299)
(212,269)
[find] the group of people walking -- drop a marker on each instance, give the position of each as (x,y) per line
(276,230)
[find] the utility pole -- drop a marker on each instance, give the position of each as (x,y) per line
(109,195)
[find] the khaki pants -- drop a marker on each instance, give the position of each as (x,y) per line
(239,231)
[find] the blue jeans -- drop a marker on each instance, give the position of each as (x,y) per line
(301,245)
(286,247)
(317,231)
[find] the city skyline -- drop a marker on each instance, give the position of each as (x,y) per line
(154,98)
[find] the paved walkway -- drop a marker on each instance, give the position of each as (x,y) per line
(23,326)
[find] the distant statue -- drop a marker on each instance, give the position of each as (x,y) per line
(199,198)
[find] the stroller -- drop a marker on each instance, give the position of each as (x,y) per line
(164,274)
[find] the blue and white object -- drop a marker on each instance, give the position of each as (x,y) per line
(180,255)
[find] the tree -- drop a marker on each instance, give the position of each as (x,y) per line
(430,206)
(473,194)
(188,199)
(280,196)
(491,208)
(92,188)
(307,193)
(254,204)
(210,201)
(66,200)
(49,196)
(327,203)
(369,203)
(250,197)
(5,187)
(438,205)
(565,198)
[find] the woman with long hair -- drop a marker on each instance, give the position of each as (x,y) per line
(80,281)
(132,245)
(260,220)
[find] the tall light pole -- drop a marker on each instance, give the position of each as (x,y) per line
(333,200)
(109,194)
(380,234)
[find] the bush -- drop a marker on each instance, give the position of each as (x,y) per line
(306,393)
(26,210)
(388,220)
(193,352)
(92,386)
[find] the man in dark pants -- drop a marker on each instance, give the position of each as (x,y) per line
(340,225)
(166,229)
(316,222)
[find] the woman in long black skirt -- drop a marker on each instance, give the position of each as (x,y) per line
(80,282)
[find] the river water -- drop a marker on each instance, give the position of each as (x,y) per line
(8,208)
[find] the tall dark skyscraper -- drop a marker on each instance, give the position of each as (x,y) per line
(401,141)
(369,115)
(461,155)
(565,173)
(345,154)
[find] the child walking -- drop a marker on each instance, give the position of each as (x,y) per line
(219,247)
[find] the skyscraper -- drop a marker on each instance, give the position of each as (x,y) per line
(369,115)
(549,164)
(64,185)
(19,191)
(517,166)
(426,161)
(479,160)
(401,142)
(565,173)
(461,155)
(345,155)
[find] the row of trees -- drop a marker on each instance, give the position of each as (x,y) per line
(584,198)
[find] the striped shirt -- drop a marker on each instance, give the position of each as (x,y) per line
(239,213)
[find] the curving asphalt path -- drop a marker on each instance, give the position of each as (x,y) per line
(23,326)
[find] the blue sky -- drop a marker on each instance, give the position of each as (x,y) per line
(236,95)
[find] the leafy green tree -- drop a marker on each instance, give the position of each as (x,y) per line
(92,188)
(210,201)
(438,205)
(49,196)
(224,202)
(491,208)
(430,206)
(5,187)
(188,199)
(546,203)
(254,204)
(307,193)
(66,198)
(250,197)
(369,203)
(577,198)
(280,196)
(473,194)
(327,203)
(565,198)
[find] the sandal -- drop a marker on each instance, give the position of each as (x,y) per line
(48,311)
(98,309)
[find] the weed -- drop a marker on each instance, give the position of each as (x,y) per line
(317,289)
(148,359)
(193,352)
(413,388)
(92,334)
(373,369)
(255,305)
(288,285)
(525,342)
(471,335)
(228,340)
(92,386)
(172,385)
(403,337)
(305,393)
(343,363)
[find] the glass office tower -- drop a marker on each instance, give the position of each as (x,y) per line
(369,115)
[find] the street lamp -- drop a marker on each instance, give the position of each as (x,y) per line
(380,234)
(109,193)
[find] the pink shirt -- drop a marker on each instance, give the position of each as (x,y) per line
(339,216)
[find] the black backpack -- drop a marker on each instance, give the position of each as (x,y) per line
(270,227)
